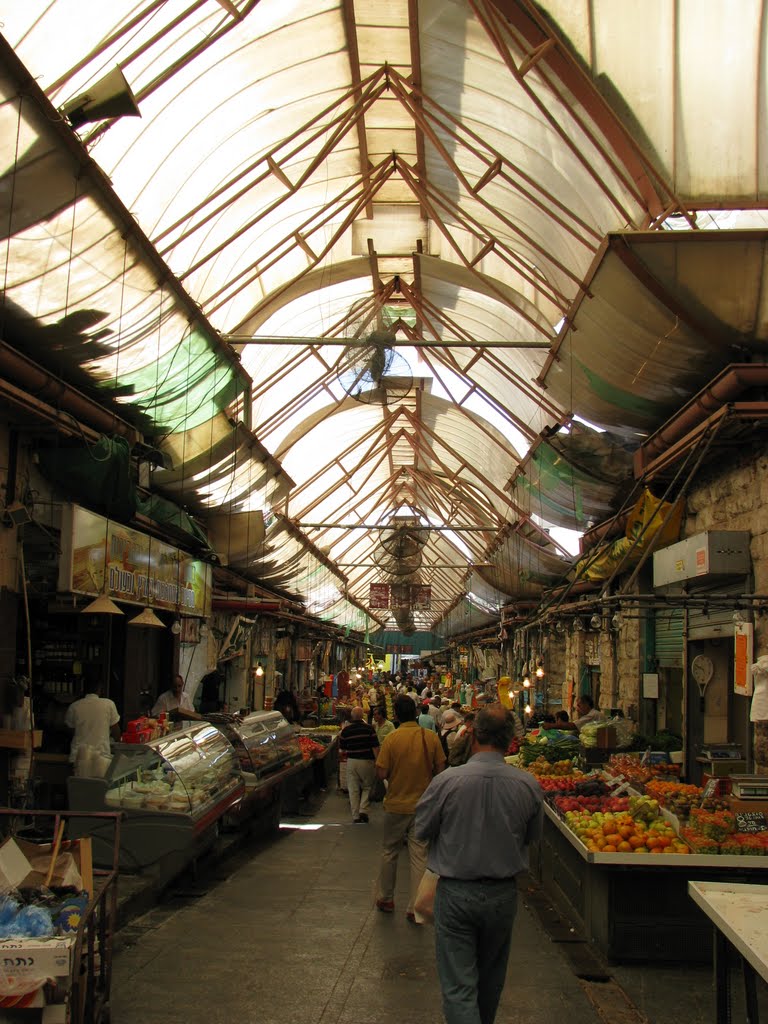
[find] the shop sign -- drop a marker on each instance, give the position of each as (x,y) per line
(379,596)
(742,658)
(421,598)
(103,557)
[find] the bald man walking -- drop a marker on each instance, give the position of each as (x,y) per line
(361,745)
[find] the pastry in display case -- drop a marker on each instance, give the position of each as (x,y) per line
(172,791)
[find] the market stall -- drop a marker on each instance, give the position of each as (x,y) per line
(739,916)
(172,791)
(619,861)
(325,737)
(269,755)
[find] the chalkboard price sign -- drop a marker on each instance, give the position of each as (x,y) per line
(751,821)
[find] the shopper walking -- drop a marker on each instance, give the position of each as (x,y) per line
(425,720)
(361,745)
(408,760)
(500,808)
(382,724)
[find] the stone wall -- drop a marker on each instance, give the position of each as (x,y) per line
(733,495)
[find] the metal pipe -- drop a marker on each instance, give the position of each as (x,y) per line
(42,384)
(731,383)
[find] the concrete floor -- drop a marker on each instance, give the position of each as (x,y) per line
(286,933)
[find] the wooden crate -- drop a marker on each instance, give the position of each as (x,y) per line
(20,739)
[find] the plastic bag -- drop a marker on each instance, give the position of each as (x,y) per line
(625,731)
(424,904)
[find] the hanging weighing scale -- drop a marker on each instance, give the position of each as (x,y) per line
(702,670)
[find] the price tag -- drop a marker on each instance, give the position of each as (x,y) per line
(623,788)
(711,789)
(751,821)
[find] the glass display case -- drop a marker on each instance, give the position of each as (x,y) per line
(264,742)
(182,772)
(172,792)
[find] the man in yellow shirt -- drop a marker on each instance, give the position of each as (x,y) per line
(408,759)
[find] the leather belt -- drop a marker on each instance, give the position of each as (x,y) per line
(508,878)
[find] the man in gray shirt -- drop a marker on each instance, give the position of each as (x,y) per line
(500,807)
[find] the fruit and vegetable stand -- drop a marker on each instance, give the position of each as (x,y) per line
(620,846)
(632,907)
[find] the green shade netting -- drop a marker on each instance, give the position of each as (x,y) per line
(184,387)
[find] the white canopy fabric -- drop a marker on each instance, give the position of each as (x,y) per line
(360,259)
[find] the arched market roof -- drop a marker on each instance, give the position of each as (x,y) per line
(544,210)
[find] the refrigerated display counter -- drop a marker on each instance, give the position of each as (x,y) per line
(269,755)
(172,791)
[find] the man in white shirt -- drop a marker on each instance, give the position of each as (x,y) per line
(175,703)
(585,712)
(94,720)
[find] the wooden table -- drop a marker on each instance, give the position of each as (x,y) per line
(739,914)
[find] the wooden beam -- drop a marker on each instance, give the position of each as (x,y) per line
(350,33)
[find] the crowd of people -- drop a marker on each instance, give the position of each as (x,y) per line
(445,777)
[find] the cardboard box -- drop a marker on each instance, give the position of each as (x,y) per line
(20,739)
(606,738)
(749,805)
(35,958)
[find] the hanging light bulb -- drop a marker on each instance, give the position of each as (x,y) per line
(616,620)
(578,625)
(539,672)
(527,709)
(176,627)
(738,618)
(526,682)
(596,621)
(259,670)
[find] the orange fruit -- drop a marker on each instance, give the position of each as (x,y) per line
(609,848)
(624,847)
(636,841)
(614,839)
(641,849)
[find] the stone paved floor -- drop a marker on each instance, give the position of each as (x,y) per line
(288,933)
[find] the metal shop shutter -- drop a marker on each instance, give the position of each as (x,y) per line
(716,619)
(669,637)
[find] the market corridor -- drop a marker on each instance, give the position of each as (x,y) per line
(292,937)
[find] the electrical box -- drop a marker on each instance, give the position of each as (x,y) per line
(703,558)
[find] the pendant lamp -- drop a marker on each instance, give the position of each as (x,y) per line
(102,605)
(147,618)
